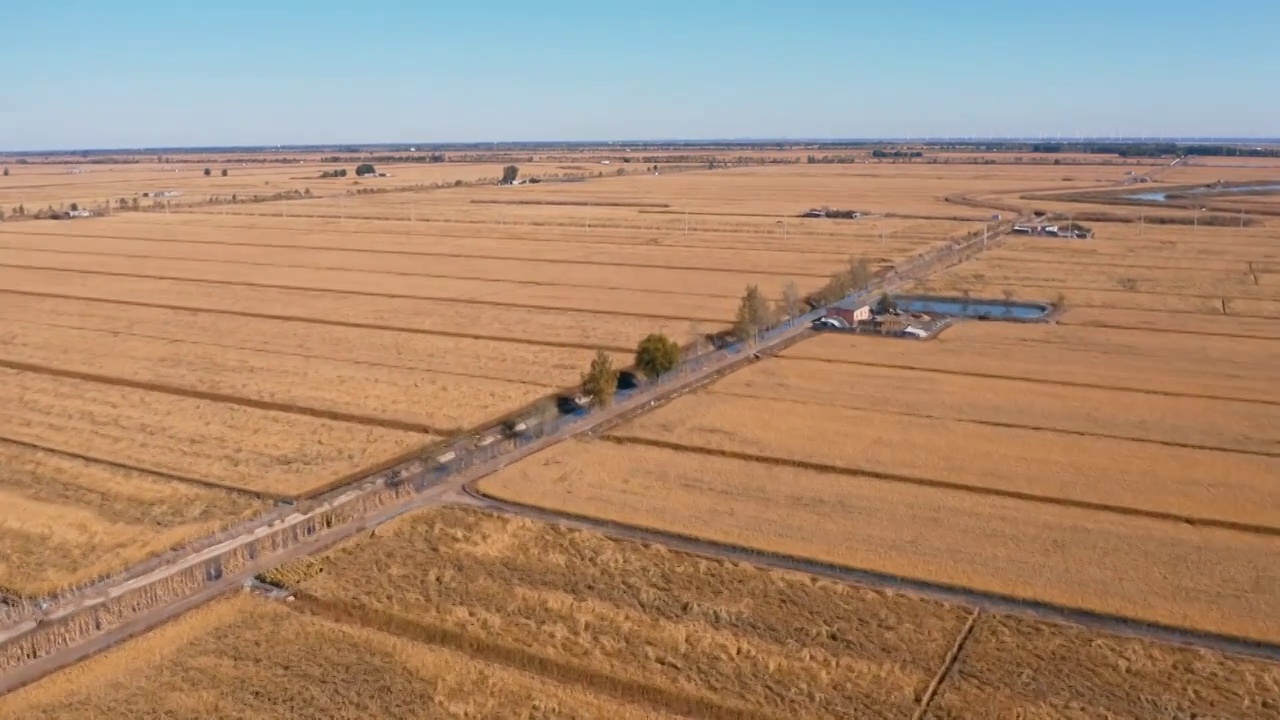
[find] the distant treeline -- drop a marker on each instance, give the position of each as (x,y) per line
(389,159)
(1156,150)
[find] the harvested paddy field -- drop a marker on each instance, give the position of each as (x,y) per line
(490,616)
(388,380)
(529,615)
(279,348)
(93,186)
(200,441)
(68,521)
(249,658)
(1121,460)
(1012,667)
(1158,571)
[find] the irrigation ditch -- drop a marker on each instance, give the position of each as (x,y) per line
(55,633)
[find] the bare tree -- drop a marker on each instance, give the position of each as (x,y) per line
(791,301)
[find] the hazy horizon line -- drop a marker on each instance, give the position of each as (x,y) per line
(643,142)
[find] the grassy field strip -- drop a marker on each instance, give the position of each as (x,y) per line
(1154,480)
(482,648)
(525,272)
(1030,497)
(392,397)
(567,328)
(440,264)
(1014,425)
(1072,356)
(1116,299)
(510,361)
(69,452)
(645,256)
(802,240)
(69,520)
(290,664)
(716,630)
(1179,265)
(1200,424)
(257,450)
(612,302)
(1240,287)
(1167,573)
(1155,256)
(1013,667)
(1151,320)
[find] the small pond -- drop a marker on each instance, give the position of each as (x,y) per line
(973,308)
(1163,196)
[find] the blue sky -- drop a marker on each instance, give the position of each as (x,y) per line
(140,73)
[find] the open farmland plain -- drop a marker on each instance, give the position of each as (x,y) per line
(505,617)
(102,186)
(1122,460)
(277,354)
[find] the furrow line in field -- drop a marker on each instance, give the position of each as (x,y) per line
(157,472)
(1084,263)
(633,227)
(527,660)
(998,423)
(991,602)
(948,663)
(369,293)
(393,273)
(255,403)
(336,323)
(1062,383)
(411,253)
(282,353)
(639,242)
(1122,510)
(1106,325)
(1117,289)
(1220,315)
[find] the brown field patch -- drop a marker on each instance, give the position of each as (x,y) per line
(67,521)
(249,658)
(219,443)
(1171,573)
(432,385)
(39,185)
(1227,368)
(1208,325)
(445,317)
(1020,668)
(1052,468)
(710,634)
(1160,419)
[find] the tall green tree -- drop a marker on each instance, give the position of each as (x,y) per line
(365,169)
(657,355)
(208,172)
(600,381)
(509,174)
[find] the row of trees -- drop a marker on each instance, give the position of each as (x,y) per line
(209,172)
(658,354)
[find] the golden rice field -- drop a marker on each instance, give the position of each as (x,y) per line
(505,618)
(273,352)
(68,521)
(40,185)
(1118,460)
